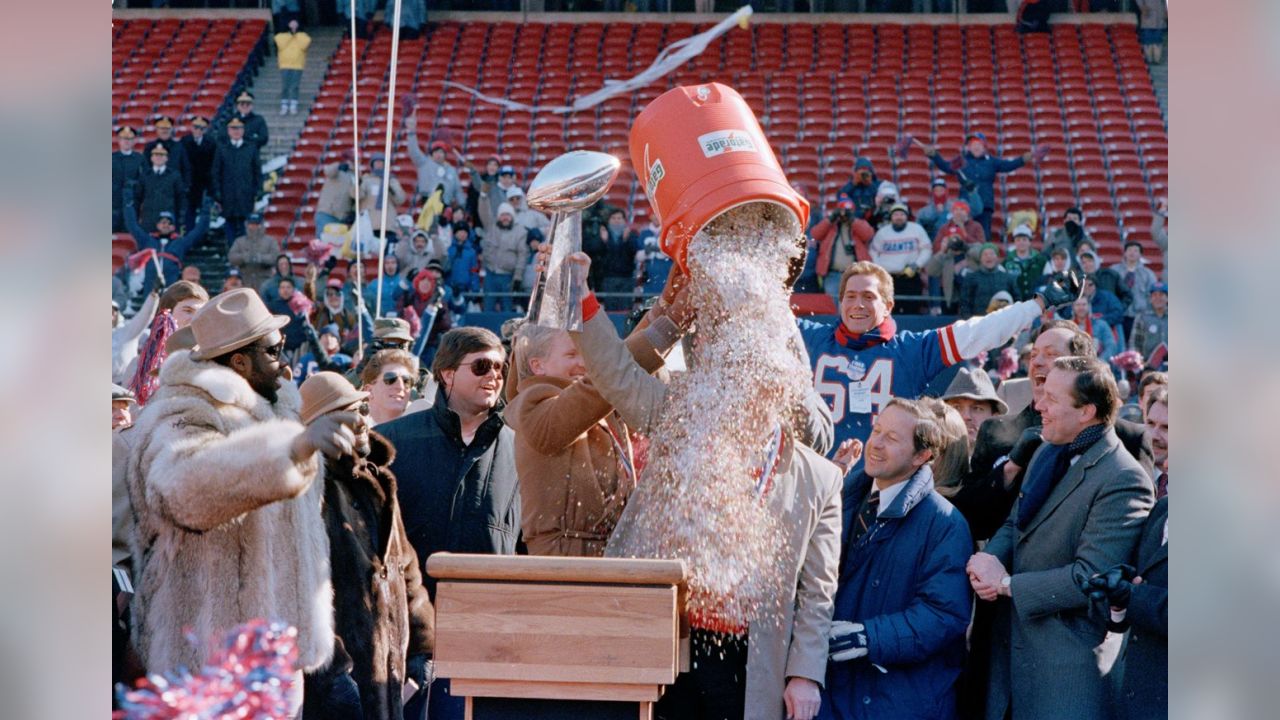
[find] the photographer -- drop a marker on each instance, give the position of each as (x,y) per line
(862,188)
(842,238)
(945,270)
(886,197)
(1070,235)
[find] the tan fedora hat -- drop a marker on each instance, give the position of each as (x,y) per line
(181,339)
(324,392)
(974,383)
(230,321)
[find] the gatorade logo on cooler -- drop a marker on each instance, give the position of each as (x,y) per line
(656,173)
(723,141)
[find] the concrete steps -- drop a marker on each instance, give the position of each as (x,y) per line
(267,87)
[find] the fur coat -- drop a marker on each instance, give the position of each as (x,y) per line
(228,528)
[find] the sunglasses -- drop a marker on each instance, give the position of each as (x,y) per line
(391,378)
(483,366)
(272,351)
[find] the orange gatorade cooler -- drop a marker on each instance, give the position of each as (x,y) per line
(700,152)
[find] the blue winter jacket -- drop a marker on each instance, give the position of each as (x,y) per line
(980,171)
(462,264)
(905,581)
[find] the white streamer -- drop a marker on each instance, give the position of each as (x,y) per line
(355,178)
(671,57)
(386,155)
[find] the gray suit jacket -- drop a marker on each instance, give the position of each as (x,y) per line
(806,494)
(1044,650)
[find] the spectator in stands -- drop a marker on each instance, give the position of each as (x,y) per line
(842,238)
(525,215)
(126,164)
(434,169)
(1153,28)
(862,188)
(390,286)
(323,352)
(1151,328)
(371,198)
(291,58)
(255,126)
(159,189)
(170,247)
(254,253)
(936,212)
(191,273)
(1106,279)
(364,14)
(333,311)
(1105,305)
(1073,519)
(614,252)
(389,377)
(1160,233)
(356,278)
(974,397)
(236,179)
(1024,264)
(434,304)
(1071,234)
(984,281)
(505,249)
(947,267)
(886,197)
(284,269)
(653,265)
(283,304)
(199,151)
(463,262)
(959,218)
(902,248)
(980,168)
(122,405)
(126,334)
(1138,279)
(423,248)
(177,156)
(1105,341)
(902,601)
(413,15)
(233,280)
(1059,262)
(337,196)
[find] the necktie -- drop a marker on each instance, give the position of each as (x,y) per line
(866,514)
(1162,485)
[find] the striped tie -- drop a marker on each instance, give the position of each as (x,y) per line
(867,514)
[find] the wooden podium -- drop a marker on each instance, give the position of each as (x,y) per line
(549,637)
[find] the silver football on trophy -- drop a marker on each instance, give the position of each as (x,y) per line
(572,181)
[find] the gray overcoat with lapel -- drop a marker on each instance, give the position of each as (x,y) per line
(1045,649)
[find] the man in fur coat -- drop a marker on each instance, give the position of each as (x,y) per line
(228,525)
(382,612)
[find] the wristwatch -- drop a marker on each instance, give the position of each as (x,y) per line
(1006,583)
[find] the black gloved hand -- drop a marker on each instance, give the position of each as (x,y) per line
(1111,585)
(846,641)
(1025,447)
(1061,290)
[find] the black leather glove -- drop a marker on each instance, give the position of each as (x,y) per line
(1111,585)
(846,641)
(1061,290)
(1025,447)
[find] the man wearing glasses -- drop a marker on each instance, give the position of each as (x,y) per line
(455,466)
(228,524)
(389,378)
(255,126)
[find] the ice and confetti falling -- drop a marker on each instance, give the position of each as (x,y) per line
(698,498)
(248,678)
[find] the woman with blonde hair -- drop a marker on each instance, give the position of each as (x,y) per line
(952,463)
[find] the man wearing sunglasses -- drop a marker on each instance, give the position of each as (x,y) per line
(227,514)
(455,466)
(381,610)
(389,378)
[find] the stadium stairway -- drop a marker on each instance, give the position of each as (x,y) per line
(285,129)
(1160,82)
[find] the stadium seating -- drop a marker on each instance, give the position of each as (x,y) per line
(822,92)
(180,68)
